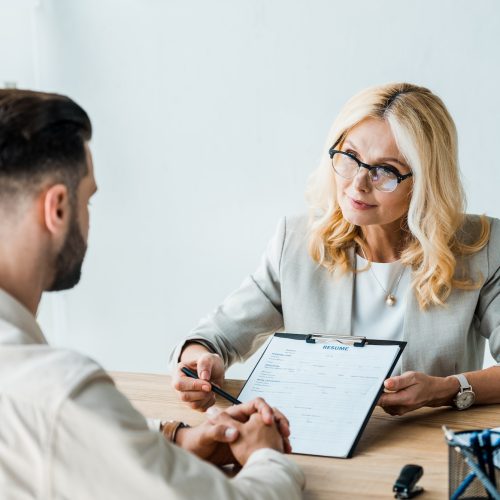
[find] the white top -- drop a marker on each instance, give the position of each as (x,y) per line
(372,317)
(67,432)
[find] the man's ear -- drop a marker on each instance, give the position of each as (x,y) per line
(56,209)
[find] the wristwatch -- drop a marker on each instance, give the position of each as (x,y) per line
(169,429)
(465,397)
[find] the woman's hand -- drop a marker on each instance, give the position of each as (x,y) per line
(412,390)
(210,368)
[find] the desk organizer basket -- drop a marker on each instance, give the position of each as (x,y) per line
(468,477)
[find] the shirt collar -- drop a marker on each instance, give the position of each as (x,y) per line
(16,314)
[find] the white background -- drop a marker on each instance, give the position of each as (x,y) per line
(208,119)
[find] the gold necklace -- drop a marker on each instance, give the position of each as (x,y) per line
(390,295)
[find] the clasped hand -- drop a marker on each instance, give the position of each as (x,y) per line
(232,435)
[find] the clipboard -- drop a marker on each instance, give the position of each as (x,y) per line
(326,385)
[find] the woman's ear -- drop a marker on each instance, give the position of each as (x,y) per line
(56,209)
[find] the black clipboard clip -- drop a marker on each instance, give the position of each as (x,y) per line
(341,339)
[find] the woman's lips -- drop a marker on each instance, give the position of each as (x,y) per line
(360,205)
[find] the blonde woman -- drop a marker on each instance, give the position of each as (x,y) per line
(387,251)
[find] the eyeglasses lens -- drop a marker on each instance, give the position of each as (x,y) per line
(383,180)
(345,166)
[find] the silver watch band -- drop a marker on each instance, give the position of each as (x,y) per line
(464,383)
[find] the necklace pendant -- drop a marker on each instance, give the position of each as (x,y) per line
(390,300)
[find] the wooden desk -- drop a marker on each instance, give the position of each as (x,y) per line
(387,444)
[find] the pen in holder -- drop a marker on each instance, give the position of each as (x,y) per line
(474,464)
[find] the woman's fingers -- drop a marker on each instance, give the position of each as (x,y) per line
(188,384)
(399,382)
(196,393)
(205,366)
(209,367)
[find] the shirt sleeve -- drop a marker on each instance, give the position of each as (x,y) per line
(489,299)
(242,322)
(102,448)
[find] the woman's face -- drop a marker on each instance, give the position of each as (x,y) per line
(372,142)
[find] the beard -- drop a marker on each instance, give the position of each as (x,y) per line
(68,265)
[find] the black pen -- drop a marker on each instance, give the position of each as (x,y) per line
(215,389)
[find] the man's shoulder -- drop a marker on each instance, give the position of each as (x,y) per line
(44,375)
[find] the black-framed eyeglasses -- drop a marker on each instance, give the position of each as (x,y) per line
(383,178)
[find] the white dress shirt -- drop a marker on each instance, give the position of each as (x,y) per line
(66,432)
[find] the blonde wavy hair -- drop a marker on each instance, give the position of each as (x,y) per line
(426,136)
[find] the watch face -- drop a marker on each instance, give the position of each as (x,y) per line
(465,399)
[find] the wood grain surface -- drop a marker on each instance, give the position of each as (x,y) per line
(387,444)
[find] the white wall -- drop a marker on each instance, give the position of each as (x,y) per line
(18,47)
(209,117)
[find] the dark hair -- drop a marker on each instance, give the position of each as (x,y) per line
(42,136)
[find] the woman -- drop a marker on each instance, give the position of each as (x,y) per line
(386,252)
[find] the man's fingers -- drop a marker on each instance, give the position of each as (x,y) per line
(264,409)
(222,418)
(221,433)
(269,415)
(287,447)
(243,411)
(283,423)
(213,412)
(240,412)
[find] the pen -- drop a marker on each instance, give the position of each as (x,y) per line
(215,389)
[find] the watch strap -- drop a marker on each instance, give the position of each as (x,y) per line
(169,429)
(464,383)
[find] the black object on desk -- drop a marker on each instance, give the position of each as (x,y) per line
(217,390)
(406,484)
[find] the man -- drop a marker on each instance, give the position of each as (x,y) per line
(65,431)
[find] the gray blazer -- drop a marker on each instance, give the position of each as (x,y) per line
(290,292)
